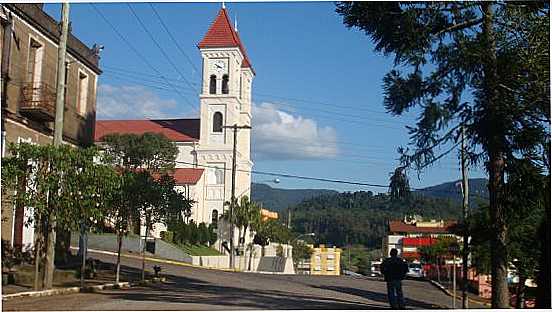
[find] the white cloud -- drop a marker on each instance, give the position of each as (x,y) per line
(131,102)
(282,135)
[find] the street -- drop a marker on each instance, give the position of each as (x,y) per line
(190,288)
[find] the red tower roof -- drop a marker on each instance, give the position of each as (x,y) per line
(221,34)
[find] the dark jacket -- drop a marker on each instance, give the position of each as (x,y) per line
(394,268)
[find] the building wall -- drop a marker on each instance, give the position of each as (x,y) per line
(78,128)
(325,261)
(28,22)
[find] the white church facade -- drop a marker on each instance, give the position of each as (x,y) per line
(205,145)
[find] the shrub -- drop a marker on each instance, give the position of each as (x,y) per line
(203,234)
(167,236)
(212,233)
(194,233)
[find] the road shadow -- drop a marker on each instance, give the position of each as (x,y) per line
(377,296)
(193,291)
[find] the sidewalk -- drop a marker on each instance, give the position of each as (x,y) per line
(472,298)
(67,279)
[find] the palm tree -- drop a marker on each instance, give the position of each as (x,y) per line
(246,213)
(399,186)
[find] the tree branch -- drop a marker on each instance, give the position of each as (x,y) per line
(460,26)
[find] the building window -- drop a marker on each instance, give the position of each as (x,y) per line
(219,176)
(217,122)
(225,84)
(83,93)
(34,64)
(214,218)
(213,85)
(215,174)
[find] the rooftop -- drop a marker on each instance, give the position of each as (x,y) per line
(397,226)
(176,130)
(221,34)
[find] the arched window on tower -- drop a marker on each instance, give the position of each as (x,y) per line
(225,84)
(214,218)
(217,122)
(213,84)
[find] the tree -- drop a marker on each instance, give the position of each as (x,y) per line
(146,191)
(61,182)
(246,214)
(301,251)
(483,65)
(399,186)
(525,203)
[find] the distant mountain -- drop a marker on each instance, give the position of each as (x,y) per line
(477,190)
(277,199)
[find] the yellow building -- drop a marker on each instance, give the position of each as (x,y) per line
(325,260)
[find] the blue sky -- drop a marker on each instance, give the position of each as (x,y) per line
(317,94)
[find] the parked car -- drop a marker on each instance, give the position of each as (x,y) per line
(375,269)
(415,270)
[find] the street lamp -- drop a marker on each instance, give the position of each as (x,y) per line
(300,235)
(275,181)
(296,238)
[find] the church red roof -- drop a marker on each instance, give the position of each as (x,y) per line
(221,34)
(177,130)
(187,176)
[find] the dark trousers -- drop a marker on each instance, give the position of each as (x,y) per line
(395,294)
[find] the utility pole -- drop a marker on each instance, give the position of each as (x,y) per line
(233,200)
(58,136)
(465,208)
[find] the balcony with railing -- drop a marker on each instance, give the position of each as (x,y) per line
(38,101)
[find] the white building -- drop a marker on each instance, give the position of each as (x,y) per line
(204,161)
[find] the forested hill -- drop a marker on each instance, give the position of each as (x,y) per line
(477,189)
(277,199)
(361,217)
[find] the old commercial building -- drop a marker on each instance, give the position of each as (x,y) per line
(29,48)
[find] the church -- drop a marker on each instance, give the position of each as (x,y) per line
(205,145)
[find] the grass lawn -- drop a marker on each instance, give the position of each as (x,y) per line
(198,250)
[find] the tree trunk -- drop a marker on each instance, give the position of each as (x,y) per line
(438,270)
(84,249)
(49,266)
(520,292)
(494,147)
(250,256)
(144,253)
(543,276)
(38,278)
(119,245)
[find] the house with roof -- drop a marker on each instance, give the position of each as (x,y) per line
(411,233)
(205,146)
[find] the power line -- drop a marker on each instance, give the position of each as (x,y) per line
(144,59)
(167,57)
(173,39)
(315,112)
(389,124)
(329,180)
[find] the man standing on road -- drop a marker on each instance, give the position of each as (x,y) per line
(394,270)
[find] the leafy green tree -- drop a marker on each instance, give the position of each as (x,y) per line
(61,182)
(480,65)
(147,192)
(301,251)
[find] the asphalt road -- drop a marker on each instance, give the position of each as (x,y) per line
(190,288)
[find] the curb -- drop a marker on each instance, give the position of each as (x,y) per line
(86,289)
(68,290)
(446,291)
(111,253)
